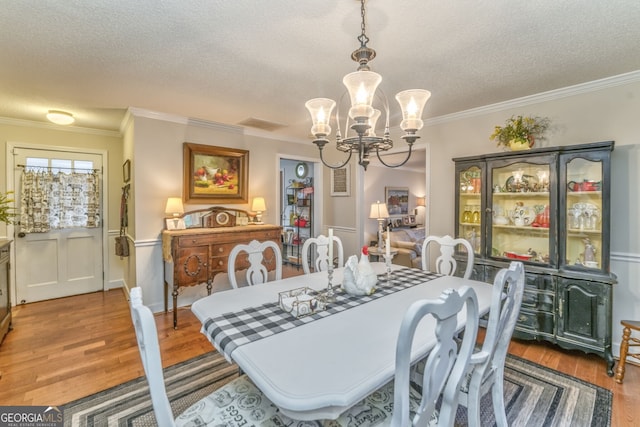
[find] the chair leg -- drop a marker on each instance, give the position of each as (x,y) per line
(624,349)
(497,395)
(473,402)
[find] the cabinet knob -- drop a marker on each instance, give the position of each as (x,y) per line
(220,263)
(221,249)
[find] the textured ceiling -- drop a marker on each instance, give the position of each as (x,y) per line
(233,61)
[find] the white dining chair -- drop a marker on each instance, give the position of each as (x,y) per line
(445,263)
(486,369)
(398,401)
(486,372)
(256,271)
(321,255)
(212,410)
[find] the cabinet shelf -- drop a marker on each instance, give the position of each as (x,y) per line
(543,230)
(512,195)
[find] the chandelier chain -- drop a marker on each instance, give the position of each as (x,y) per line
(363,37)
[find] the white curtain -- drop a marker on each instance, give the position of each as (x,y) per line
(58,200)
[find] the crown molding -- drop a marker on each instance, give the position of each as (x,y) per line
(593,86)
(52,126)
(174,118)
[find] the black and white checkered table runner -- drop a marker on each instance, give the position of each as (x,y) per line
(231,330)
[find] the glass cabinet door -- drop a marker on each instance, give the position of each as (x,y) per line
(583,216)
(470,219)
(522,210)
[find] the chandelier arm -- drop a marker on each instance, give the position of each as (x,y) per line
(395,165)
(334,166)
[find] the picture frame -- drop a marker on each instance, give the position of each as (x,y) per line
(215,174)
(412,219)
(405,220)
(397,199)
(126,171)
(340,182)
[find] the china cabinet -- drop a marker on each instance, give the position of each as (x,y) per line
(549,208)
(298,222)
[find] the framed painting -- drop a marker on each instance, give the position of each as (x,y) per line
(215,174)
(340,182)
(397,199)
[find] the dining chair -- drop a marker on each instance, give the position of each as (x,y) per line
(257,271)
(445,366)
(486,372)
(321,255)
(446,263)
(226,404)
(486,369)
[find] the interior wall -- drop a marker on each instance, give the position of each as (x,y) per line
(609,113)
(377,178)
(51,135)
(158,174)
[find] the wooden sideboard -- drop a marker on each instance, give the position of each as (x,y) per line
(194,256)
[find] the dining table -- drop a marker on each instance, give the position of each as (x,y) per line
(317,366)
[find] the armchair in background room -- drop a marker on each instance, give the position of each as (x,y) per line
(408,242)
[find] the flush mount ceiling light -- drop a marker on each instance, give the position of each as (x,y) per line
(60,117)
(361,86)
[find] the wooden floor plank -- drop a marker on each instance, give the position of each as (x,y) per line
(65,349)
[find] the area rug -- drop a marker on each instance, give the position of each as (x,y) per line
(534,396)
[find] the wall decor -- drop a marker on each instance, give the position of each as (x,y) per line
(397,199)
(215,174)
(340,182)
(126,171)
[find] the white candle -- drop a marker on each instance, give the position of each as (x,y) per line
(387,245)
(330,247)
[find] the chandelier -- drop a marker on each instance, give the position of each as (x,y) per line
(362,117)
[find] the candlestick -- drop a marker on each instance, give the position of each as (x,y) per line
(331,248)
(387,244)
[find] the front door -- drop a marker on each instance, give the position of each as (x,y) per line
(62,262)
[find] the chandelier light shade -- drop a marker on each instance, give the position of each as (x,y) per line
(362,86)
(60,117)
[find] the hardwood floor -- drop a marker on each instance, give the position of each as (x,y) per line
(64,349)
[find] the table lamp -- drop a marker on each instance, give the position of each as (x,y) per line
(258,206)
(174,209)
(379,211)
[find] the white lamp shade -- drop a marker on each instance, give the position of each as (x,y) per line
(420,201)
(412,103)
(320,110)
(174,206)
(378,210)
(258,204)
(362,87)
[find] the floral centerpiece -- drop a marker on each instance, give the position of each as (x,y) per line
(521,132)
(6,212)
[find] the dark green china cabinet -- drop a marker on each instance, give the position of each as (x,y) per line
(549,208)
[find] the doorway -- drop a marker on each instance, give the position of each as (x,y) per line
(299,203)
(63,261)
